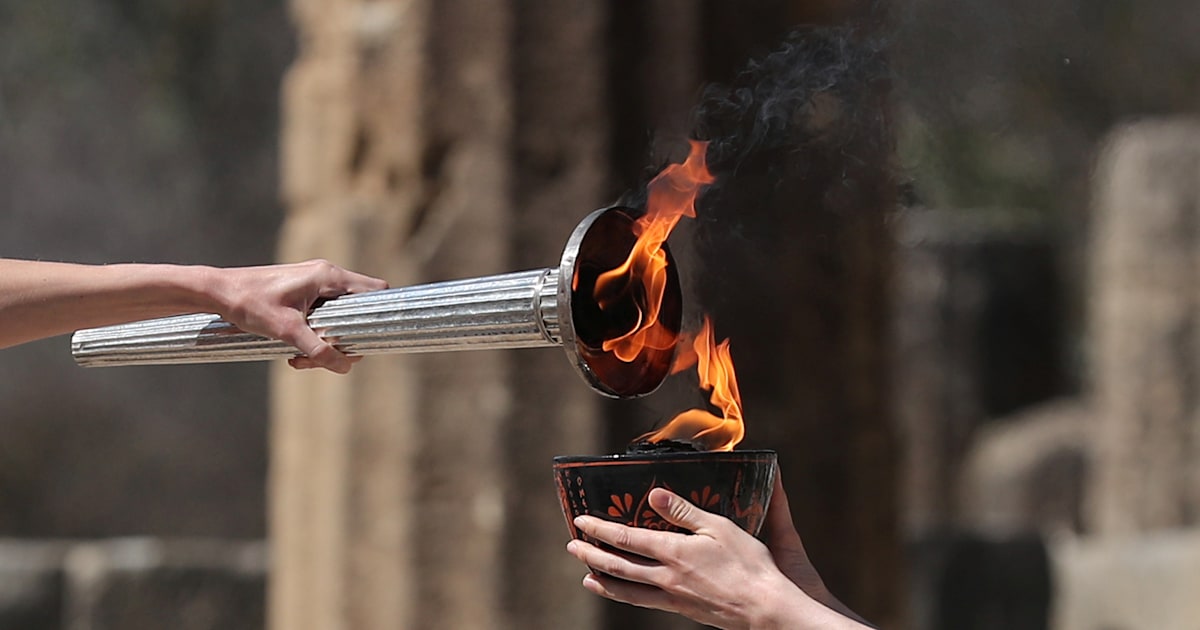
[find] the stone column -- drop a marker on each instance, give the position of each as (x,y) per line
(416,492)
(561,139)
(1144,292)
(343,498)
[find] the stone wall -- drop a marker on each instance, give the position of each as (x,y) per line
(132,584)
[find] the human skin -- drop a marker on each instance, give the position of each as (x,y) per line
(43,299)
(718,575)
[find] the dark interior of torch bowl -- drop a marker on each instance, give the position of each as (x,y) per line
(606,246)
(734,484)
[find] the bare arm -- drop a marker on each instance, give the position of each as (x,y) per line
(44,299)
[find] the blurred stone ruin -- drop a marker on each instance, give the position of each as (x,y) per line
(1073,512)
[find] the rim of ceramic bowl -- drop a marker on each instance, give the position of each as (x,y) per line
(567,461)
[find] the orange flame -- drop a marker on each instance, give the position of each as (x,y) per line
(672,196)
(703,429)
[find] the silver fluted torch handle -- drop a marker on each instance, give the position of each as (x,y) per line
(503,311)
(525,309)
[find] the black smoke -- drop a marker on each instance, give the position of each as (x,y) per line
(812,113)
(818,91)
(800,141)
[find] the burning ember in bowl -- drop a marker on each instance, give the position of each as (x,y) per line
(734,484)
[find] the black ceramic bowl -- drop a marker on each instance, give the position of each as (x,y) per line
(734,484)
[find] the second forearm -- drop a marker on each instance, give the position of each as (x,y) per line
(793,609)
(814,616)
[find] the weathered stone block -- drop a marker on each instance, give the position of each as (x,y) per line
(1149,582)
(1029,472)
(138,584)
(1144,315)
(31,585)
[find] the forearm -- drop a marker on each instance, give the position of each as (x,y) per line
(792,609)
(44,299)
(837,606)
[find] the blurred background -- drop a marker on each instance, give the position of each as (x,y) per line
(961,303)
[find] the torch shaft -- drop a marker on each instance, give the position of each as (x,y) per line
(513,310)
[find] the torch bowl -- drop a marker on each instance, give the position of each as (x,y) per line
(734,484)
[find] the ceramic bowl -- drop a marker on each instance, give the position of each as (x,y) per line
(734,484)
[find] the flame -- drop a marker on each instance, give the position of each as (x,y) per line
(672,196)
(703,429)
